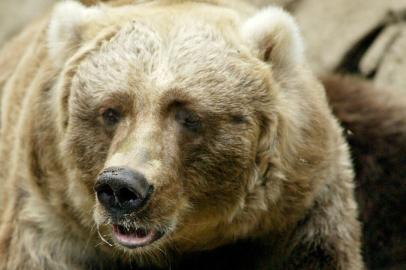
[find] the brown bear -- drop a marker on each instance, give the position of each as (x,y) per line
(136,135)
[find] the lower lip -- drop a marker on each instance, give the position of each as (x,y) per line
(135,240)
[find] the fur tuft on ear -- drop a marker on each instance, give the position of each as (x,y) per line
(275,37)
(64,33)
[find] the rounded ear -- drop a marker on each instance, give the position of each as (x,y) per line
(274,36)
(64,30)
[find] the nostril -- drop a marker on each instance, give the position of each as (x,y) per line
(125,195)
(104,193)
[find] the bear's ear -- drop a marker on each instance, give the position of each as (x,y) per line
(64,30)
(275,38)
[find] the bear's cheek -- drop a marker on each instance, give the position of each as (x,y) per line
(216,174)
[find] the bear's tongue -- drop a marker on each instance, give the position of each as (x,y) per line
(133,237)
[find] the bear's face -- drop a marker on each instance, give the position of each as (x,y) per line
(185,114)
(163,119)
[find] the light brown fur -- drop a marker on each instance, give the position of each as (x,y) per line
(269,164)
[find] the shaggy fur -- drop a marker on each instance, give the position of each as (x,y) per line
(375,124)
(265,162)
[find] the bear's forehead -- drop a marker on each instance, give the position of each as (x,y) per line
(182,48)
(197,56)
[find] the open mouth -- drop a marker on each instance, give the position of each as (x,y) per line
(135,237)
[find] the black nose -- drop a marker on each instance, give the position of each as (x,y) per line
(121,190)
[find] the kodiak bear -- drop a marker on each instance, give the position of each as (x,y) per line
(138,134)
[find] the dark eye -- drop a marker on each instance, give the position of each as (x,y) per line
(110,118)
(188,120)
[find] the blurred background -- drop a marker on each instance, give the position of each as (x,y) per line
(361,38)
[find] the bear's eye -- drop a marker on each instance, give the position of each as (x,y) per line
(188,120)
(110,118)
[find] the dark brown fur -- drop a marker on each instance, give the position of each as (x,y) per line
(375,120)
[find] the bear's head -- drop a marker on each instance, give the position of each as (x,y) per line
(185,126)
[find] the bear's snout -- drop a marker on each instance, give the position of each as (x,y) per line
(122,190)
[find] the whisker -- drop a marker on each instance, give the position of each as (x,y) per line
(102,237)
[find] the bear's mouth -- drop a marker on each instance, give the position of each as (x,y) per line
(135,237)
